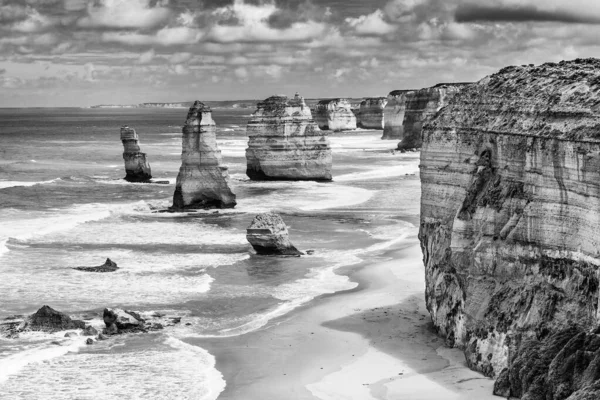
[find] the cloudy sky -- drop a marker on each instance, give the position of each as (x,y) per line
(85,52)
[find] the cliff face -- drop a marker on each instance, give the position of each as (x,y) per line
(335,115)
(137,167)
(370,113)
(202,181)
(421,106)
(285,143)
(393,115)
(510,230)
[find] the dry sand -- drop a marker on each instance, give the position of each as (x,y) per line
(373,342)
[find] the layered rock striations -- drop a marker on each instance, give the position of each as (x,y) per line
(202,182)
(421,106)
(285,143)
(370,113)
(393,115)
(136,164)
(335,115)
(269,235)
(510,227)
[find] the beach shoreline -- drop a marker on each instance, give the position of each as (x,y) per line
(372,342)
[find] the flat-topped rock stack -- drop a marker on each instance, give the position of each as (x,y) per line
(370,113)
(393,115)
(202,182)
(421,106)
(137,167)
(285,143)
(510,211)
(335,115)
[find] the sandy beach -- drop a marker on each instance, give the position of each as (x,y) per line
(373,342)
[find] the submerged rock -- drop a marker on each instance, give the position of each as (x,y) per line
(285,143)
(510,188)
(47,319)
(268,235)
(136,165)
(370,114)
(335,115)
(202,182)
(393,115)
(421,106)
(108,266)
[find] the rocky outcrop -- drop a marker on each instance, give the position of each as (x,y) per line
(268,235)
(202,182)
(136,165)
(421,106)
(370,114)
(46,319)
(285,143)
(108,266)
(335,115)
(393,115)
(510,174)
(119,321)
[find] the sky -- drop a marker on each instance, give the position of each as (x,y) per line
(87,52)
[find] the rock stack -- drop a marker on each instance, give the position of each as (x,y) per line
(370,114)
(268,235)
(421,106)
(393,115)
(335,115)
(285,143)
(510,204)
(202,181)
(136,165)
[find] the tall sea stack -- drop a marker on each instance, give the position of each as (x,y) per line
(370,114)
(285,143)
(335,115)
(393,115)
(137,167)
(510,228)
(421,106)
(202,181)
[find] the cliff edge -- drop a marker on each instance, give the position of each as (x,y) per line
(510,173)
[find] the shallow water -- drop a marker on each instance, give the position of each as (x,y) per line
(64,205)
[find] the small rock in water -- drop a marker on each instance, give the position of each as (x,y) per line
(176,320)
(268,235)
(46,319)
(90,331)
(108,266)
(71,334)
(310,252)
(89,341)
(102,337)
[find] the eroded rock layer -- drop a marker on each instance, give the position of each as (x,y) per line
(510,220)
(421,106)
(370,113)
(335,115)
(393,115)
(137,167)
(268,235)
(202,182)
(285,143)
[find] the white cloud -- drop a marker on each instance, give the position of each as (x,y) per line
(165,37)
(372,24)
(241,73)
(147,57)
(34,22)
(124,14)
(178,58)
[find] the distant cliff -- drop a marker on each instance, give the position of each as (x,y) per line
(393,115)
(334,115)
(510,228)
(370,113)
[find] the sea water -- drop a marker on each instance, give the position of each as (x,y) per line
(63,204)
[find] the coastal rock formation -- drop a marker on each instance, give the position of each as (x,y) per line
(421,106)
(370,114)
(268,235)
(393,115)
(285,143)
(108,266)
(46,319)
(202,181)
(510,174)
(335,115)
(136,165)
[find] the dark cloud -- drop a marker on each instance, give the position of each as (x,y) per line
(489,13)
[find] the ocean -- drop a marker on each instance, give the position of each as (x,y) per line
(63,204)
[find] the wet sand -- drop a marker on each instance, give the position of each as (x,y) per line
(373,342)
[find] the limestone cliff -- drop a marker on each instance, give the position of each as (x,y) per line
(510,224)
(421,106)
(335,115)
(137,167)
(370,113)
(285,143)
(202,182)
(393,115)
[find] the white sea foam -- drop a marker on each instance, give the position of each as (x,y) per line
(8,184)
(382,172)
